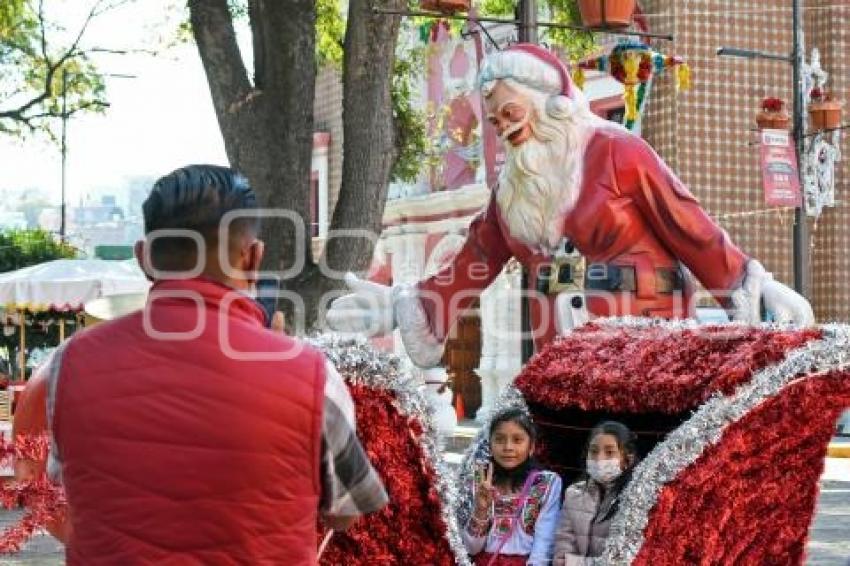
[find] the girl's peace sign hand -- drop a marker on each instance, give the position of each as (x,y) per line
(484,491)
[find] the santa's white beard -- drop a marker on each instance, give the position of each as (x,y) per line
(540,180)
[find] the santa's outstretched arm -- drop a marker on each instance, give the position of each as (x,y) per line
(740,283)
(425,312)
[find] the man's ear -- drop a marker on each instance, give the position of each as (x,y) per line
(139,250)
(253,258)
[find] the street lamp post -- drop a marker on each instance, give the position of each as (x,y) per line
(64,151)
(527,21)
(64,143)
(801,228)
(527,33)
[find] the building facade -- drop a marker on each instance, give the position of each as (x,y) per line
(708,136)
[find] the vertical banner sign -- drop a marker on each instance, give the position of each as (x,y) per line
(779,169)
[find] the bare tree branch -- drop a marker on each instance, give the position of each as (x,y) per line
(111,6)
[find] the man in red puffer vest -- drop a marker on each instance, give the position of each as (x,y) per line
(189,433)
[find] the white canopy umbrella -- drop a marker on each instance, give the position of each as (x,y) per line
(67,284)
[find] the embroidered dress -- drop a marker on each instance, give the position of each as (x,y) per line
(533,538)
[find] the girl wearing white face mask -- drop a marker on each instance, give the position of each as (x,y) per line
(590,504)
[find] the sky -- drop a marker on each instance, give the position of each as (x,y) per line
(158,121)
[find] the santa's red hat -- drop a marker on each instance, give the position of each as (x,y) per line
(550,59)
(495,69)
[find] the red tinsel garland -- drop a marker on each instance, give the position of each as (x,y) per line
(45,502)
(652,369)
(723,508)
(410,529)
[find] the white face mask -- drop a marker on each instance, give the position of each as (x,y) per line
(604,471)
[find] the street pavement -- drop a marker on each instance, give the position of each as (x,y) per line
(829,538)
(829,543)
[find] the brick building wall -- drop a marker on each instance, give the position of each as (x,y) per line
(707,137)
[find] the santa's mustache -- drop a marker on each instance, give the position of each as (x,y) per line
(505,137)
(539,179)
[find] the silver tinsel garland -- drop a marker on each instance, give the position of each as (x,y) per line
(359,363)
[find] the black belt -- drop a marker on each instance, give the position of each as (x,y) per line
(608,277)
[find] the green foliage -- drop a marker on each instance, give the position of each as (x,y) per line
(497,7)
(22,248)
(575,44)
(330,32)
(409,120)
(238,9)
(32,67)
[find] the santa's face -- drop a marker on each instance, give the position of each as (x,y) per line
(541,175)
(510,112)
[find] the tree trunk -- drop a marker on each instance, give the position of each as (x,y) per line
(370,150)
(268,128)
(369,142)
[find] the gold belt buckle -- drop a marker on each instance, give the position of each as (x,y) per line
(567,274)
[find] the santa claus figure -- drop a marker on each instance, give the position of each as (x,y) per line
(572,183)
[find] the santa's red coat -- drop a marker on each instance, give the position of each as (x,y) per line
(632,210)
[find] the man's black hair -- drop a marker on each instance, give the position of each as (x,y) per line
(195,198)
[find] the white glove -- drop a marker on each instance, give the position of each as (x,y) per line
(369,309)
(786,305)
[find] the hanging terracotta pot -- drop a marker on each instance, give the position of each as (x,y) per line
(773,115)
(825,114)
(606,14)
(771,121)
(446,6)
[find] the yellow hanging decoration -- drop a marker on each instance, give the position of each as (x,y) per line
(578,77)
(631,65)
(683,77)
(630,98)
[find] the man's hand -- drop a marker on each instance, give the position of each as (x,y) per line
(369,309)
(278,322)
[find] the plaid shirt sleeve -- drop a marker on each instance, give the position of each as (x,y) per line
(350,485)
